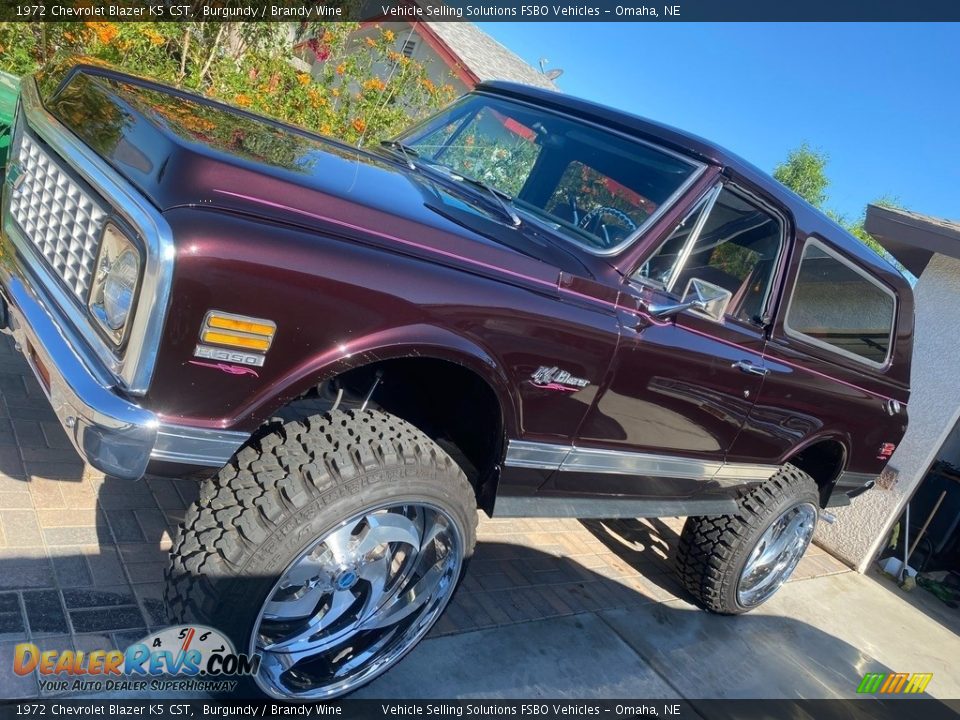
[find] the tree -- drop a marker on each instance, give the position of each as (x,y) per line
(804,172)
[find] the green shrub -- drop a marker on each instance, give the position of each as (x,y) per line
(251,65)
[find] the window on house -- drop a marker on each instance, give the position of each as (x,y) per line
(735,246)
(409,47)
(838,306)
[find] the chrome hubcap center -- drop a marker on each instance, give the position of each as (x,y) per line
(776,554)
(346,580)
(356,600)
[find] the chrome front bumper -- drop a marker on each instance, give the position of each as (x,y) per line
(111,433)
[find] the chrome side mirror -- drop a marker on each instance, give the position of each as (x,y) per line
(712,299)
(700,295)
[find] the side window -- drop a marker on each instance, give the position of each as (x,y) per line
(735,247)
(836,305)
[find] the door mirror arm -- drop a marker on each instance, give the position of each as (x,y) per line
(700,295)
(670,309)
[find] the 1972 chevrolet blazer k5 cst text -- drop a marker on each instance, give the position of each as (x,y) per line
(527,304)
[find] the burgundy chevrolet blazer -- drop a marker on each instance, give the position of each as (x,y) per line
(528,303)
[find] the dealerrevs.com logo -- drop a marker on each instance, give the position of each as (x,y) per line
(185,657)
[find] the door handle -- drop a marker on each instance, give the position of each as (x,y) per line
(748,367)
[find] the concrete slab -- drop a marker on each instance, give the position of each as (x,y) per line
(570,657)
(814,639)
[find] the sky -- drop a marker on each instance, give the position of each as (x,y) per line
(882,100)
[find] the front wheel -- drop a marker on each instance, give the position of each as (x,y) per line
(733,563)
(329,548)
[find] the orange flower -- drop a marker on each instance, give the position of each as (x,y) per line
(154,37)
(316,99)
(388,35)
(428,84)
(370,42)
(394,56)
(303,78)
(374,84)
(327,37)
(242,100)
(326,129)
(105,31)
(359,124)
(341,68)
(335,92)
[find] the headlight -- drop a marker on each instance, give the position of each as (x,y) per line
(115,284)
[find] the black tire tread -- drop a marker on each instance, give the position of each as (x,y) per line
(317,459)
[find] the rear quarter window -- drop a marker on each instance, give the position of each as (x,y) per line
(840,307)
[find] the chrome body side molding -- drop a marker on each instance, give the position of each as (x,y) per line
(614,507)
(567,458)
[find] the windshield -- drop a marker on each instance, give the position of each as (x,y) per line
(595,187)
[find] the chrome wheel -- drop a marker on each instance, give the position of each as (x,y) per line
(776,554)
(356,600)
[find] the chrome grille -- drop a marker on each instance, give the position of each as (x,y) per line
(59,218)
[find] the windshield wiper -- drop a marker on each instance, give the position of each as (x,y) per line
(406,151)
(501,198)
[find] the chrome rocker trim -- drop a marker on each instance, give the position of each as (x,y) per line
(567,458)
(602,508)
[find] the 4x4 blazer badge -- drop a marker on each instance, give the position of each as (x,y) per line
(553,378)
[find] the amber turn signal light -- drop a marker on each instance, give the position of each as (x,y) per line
(237,331)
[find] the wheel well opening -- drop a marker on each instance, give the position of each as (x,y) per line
(453,405)
(822,461)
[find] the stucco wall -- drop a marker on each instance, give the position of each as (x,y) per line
(934,408)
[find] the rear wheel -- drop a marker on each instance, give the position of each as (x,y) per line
(329,549)
(733,563)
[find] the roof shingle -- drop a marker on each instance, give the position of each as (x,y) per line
(485,57)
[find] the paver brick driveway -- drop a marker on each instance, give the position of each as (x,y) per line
(82,556)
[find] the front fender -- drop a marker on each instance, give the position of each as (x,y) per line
(407,341)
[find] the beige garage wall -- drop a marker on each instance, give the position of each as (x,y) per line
(934,408)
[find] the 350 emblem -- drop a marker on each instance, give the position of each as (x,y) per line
(230,356)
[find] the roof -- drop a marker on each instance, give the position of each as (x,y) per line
(913,238)
(484,57)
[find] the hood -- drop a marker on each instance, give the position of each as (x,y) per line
(180,150)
